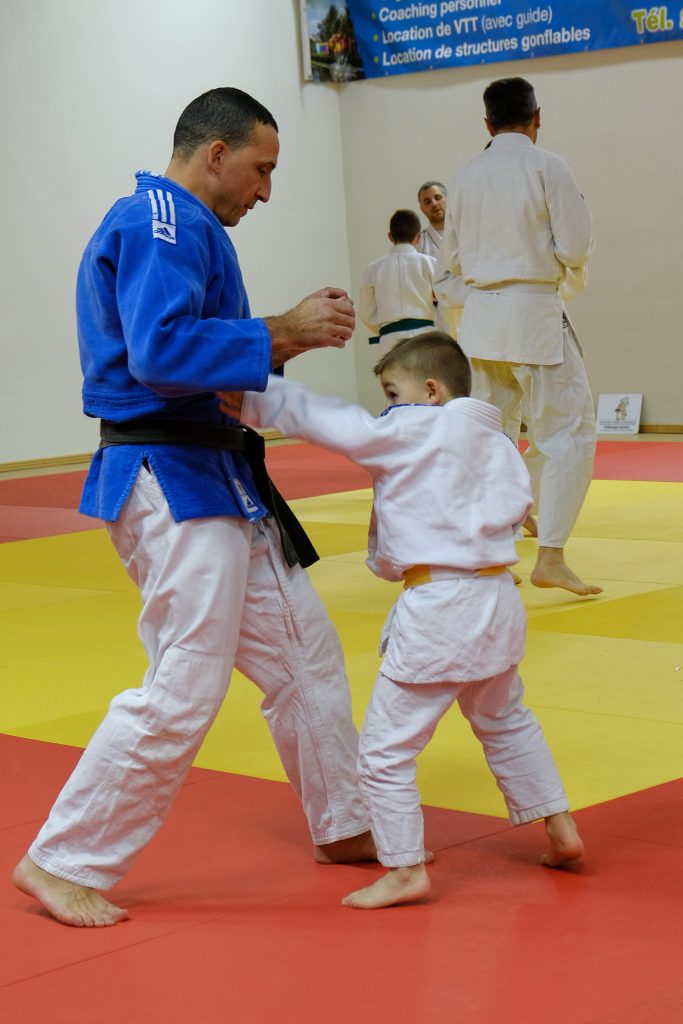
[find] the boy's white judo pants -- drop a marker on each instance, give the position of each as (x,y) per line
(558,408)
(400,721)
(216,593)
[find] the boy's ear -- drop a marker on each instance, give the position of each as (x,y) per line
(435,391)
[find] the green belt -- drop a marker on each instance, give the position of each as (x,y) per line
(407,324)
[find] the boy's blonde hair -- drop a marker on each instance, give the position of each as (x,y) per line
(433,354)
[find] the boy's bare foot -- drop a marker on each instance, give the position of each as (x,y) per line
(66,901)
(399,885)
(530,526)
(565,842)
(347,851)
(551,570)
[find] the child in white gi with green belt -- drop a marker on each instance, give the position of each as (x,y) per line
(396,300)
(450,490)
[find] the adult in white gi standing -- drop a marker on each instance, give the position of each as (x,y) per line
(449,490)
(516,223)
(432,199)
(164,323)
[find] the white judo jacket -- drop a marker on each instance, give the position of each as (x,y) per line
(516,227)
(397,286)
(450,490)
(430,241)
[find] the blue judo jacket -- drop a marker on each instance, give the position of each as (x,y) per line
(163,323)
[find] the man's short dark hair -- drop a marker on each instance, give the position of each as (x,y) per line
(404,226)
(510,103)
(433,354)
(227,114)
(430,184)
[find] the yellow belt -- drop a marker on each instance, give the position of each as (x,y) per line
(416,575)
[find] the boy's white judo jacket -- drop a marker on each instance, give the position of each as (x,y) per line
(450,490)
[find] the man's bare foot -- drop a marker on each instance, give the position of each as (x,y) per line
(347,851)
(565,842)
(66,901)
(551,570)
(530,526)
(399,885)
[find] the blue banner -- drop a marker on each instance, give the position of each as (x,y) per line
(393,37)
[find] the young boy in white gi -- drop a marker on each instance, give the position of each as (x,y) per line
(450,490)
(396,298)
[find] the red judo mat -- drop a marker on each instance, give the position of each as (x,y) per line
(44,506)
(231,920)
(638,460)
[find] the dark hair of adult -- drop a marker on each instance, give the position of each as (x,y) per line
(227,114)
(430,184)
(404,226)
(433,354)
(510,103)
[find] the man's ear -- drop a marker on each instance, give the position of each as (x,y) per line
(216,153)
(489,127)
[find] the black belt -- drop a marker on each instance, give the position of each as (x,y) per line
(296,545)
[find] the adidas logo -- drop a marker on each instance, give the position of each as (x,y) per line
(246,499)
(164,231)
(163,215)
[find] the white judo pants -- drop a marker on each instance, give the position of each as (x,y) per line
(216,593)
(558,407)
(400,721)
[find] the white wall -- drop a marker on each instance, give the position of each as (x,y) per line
(615,115)
(91,92)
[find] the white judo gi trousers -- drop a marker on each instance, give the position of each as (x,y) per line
(558,406)
(400,721)
(216,593)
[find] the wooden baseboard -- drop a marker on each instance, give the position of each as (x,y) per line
(54,462)
(58,461)
(661,428)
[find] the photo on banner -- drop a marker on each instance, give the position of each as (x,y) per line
(375,38)
(330,49)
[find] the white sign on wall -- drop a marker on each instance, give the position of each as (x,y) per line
(619,414)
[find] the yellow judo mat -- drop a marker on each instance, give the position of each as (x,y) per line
(604,675)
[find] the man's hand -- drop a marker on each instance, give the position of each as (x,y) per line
(231,403)
(325,319)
